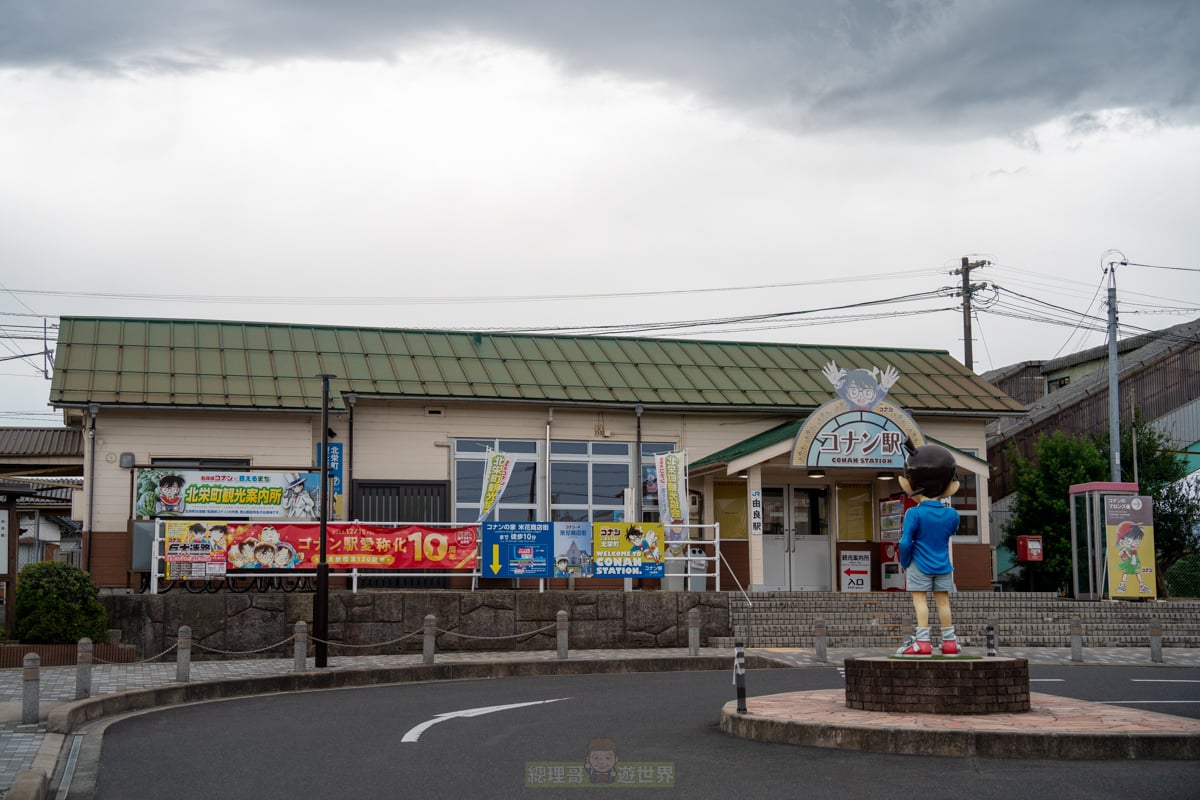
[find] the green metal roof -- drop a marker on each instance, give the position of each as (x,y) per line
(255,365)
(780,433)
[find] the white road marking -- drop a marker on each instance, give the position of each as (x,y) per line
(1144,702)
(1047,680)
(1162,680)
(415,733)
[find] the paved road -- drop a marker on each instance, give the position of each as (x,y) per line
(349,743)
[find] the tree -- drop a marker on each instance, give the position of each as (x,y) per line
(1042,506)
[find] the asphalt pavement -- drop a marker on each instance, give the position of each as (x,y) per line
(29,751)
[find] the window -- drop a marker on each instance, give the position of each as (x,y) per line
(588,480)
(729,509)
(966,502)
(201,463)
(519,501)
(855,507)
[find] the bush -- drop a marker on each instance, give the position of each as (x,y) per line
(1183,579)
(58,604)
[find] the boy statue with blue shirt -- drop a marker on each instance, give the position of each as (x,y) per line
(925,543)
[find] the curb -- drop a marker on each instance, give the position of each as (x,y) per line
(34,784)
(962,742)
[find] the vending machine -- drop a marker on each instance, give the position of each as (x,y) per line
(891,525)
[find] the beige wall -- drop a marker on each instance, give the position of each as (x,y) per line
(268,440)
(396,440)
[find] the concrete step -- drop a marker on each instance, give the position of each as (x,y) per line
(781,619)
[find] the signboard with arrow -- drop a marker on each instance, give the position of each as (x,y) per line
(518,549)
(855,571)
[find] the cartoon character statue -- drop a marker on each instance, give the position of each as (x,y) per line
(862,389)
(170,500)
(1129,536)
(925,543)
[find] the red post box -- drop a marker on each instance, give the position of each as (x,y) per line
(1029,548)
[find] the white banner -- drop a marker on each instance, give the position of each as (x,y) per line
(497,469)
(672,495)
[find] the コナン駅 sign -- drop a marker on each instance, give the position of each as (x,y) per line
(860,428)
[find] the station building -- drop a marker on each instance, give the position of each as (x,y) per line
(783,459)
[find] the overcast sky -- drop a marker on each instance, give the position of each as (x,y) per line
(550,163)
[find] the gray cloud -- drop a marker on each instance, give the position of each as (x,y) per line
(934,66)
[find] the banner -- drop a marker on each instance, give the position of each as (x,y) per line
(1129,529)
(671,471)
(166,493)
(627,550)
(497,470)
(351,545)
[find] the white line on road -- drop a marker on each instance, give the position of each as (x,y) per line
(415,733)
(1047,680)
(1162,680)
(1144,702)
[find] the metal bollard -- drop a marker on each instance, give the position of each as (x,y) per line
(83,669)
(820,641)
(183,655)
(300,651)
(1156,641)
(428,648)
(991,639)
(694,632)
(560,620)
(31,696)
(1076,640)
(739,676)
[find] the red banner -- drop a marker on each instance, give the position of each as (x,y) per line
(350,545)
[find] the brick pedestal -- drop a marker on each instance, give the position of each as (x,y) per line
(938,686)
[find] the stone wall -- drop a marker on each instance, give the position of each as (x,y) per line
(232,625)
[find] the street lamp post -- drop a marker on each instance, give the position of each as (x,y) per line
(321,602)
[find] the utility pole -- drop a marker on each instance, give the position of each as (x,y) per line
(968,289)
(1114,399)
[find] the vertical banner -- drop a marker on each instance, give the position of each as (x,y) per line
(497,469)
(671,469)
(1129,529)
(335,478)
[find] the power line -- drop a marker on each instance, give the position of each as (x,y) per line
(1156,266)
(456,299)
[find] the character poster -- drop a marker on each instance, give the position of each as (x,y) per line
(193,549)
(1129,529)
(627,549)
(573,550)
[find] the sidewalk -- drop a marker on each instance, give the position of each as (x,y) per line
(20,744)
